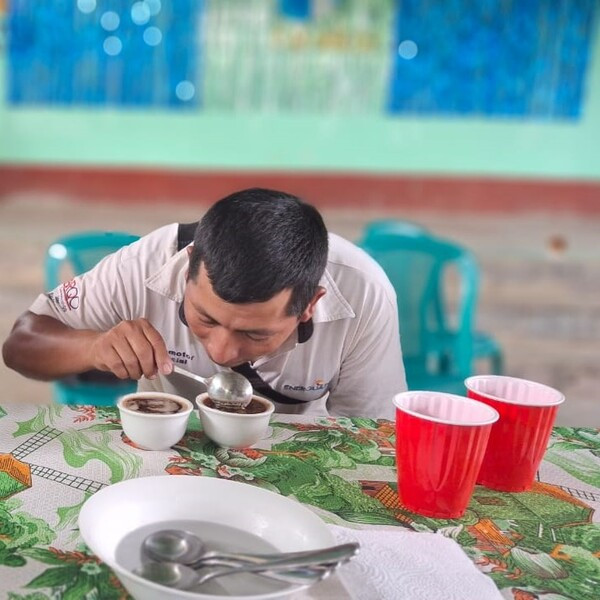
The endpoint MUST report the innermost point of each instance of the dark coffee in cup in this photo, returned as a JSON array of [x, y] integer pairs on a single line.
[[154, 406], [255, 407]]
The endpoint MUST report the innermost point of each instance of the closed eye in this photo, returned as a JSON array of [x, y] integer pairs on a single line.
[[208, 322], [256, 337]]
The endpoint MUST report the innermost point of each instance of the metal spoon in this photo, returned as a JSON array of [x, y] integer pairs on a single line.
[[183, 577], [177, 545], [226, 389], [185, 548]]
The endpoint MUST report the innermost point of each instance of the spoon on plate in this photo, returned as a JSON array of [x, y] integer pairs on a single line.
[[176, 575], [227, 389], [183, 547]]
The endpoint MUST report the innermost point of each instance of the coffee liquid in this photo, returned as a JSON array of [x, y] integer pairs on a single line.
[[255, 407], [154, 406]]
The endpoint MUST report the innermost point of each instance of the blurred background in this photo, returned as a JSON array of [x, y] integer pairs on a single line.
[[478, 120]]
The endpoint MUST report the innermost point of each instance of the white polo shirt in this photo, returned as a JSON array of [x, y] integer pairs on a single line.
[[351, 365]]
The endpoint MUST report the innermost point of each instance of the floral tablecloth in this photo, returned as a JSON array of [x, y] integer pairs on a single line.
[[544, 543]]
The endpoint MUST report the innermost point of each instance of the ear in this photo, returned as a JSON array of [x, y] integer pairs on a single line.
[[309, 311]]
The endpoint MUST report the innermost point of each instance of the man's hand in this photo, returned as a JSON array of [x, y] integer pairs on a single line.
[[131, 349], [44, 348]]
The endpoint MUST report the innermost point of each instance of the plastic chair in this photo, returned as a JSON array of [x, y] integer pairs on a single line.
[[438, 351], [485, 347], [73, 255]]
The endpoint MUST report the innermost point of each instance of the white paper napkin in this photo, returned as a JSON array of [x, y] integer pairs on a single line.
[[403, 565]]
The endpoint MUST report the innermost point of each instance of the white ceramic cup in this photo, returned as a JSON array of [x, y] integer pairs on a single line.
[[153, 431], [234, 430]]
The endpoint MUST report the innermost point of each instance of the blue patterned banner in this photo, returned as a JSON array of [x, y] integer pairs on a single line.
[[499, 58], [491, 57], [116, 52]]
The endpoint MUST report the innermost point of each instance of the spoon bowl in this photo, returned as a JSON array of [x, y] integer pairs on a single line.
[[174, 545], [227, 389]]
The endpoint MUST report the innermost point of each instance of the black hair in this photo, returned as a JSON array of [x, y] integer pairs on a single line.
[[256, 243]]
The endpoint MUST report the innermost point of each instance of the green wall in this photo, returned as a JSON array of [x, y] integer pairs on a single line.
[[456, 146]]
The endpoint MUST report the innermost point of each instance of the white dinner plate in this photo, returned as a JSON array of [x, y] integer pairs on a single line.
[[228, 516]]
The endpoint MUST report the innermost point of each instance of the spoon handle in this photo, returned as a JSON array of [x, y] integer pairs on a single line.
[[315, 558], [180, 371], [304, 576], [324, 555], [299, 577]]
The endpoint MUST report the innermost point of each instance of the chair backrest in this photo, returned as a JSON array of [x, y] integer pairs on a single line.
[[79, 252], [398, 226], [417, 264], [73, 255]]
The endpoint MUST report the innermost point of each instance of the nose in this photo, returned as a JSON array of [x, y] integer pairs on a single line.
[[222, 347]]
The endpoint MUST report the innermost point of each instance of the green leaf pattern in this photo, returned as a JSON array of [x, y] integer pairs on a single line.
[[95, 443]]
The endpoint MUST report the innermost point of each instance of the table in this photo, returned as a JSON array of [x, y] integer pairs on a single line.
[[52, 458]]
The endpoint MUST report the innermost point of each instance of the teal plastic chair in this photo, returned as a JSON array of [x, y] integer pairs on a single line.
[[439, 351], [485, 346], [66, 257]]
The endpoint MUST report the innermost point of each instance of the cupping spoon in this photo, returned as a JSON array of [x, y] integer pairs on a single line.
[[227, 389], [177, 545], [180, 576]]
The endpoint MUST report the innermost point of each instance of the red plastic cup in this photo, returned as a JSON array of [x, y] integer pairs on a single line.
[[440, 443], [520, 437]]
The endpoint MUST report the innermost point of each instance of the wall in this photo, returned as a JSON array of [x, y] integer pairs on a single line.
[[400, 148]]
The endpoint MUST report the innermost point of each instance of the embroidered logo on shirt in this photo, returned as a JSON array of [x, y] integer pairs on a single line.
[[319, 384], [180, 357], [66, 297]]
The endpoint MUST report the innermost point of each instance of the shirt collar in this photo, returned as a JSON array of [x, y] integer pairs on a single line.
[[169, 280]]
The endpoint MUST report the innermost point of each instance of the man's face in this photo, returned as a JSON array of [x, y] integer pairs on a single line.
[[233, 334]]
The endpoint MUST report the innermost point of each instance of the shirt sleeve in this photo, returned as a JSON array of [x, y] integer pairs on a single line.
[[372, 370], [100, 298]]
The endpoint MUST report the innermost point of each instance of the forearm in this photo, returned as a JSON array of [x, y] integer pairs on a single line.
[[43, 348]]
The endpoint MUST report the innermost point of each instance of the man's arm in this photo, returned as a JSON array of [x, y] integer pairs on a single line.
[[42, 347], [94, 321]]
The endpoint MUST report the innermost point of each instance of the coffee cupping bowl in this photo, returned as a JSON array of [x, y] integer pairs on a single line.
[[152, 431], [234, 430]]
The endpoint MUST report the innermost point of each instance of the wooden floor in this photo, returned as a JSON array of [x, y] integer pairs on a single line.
[[539, 295]]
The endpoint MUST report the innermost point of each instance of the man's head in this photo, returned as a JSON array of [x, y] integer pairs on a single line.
[[254, 272]]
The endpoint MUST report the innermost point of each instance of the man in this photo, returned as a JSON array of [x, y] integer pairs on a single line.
[[262, 289]]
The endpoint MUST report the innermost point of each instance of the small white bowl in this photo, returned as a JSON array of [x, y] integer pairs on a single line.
[[234, 430], [153, 431]]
